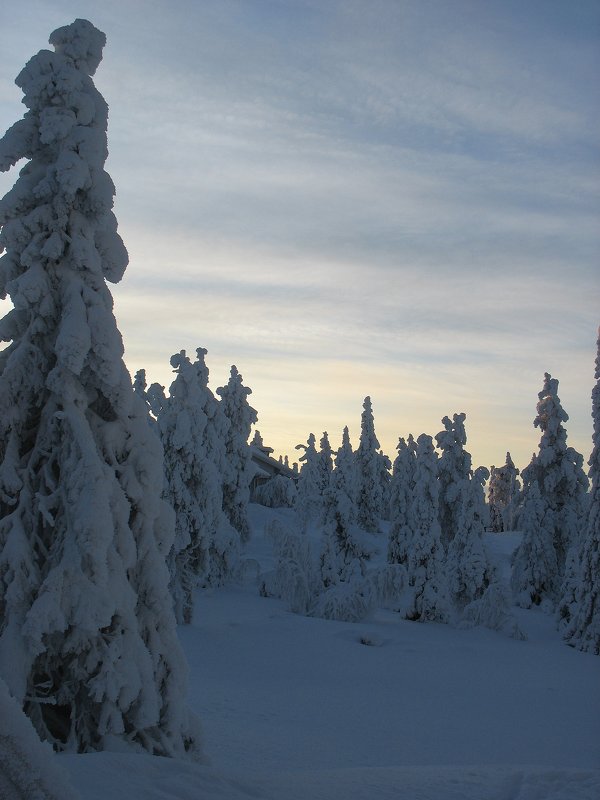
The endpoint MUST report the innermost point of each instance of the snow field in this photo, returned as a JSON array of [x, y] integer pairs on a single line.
[[296, 708]]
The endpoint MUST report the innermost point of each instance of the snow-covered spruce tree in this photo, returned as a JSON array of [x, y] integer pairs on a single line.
[[558, 472], [385, 479], [454, 470], [342, 495], [88, 641], [346, 592], [309, 502], [503, 495], [425, 565], [325, 471], [401, 494], [582, 627], [534, 569], [193, 430], [241, 417], [467, 567], [369, 497], [140, 388]]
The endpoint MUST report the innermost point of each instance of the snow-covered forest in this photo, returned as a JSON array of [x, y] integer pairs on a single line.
[[183, 615]]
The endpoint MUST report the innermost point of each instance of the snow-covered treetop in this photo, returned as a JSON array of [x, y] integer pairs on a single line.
[[550, 413], [454, 432], [61, 204], [309, 448], [346, 439], [81, 42], [368, 440]]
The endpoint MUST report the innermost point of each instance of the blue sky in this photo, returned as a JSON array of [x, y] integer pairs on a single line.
[[398, 199]]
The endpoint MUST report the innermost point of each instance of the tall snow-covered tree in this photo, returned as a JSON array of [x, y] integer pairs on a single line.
[[535, 576], [385, 479], [425, 565], [342, 495], [241, 417], [309, 502], [558, 472], [88, 641], [401, 494], [325, 462], [503, 495], [467, 567], [369, 496], [583, 620], [454, 470], [193, 430]]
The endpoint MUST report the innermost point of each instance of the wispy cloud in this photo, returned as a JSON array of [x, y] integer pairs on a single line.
[[347, 198]]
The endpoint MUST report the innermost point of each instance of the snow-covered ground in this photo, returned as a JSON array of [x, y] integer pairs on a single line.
[[300, 709]]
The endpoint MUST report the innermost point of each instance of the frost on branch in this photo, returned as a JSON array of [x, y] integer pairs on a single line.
[[88, 642]]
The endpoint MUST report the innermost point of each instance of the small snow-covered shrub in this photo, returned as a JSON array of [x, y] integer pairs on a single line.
[[348, 600], [492, 610], [277, 492], [295, 579]]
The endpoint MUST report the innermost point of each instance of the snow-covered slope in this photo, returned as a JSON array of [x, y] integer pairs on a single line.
[[299, 709]]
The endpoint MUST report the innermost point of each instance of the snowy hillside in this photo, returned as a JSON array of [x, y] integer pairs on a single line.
[[295, 708]]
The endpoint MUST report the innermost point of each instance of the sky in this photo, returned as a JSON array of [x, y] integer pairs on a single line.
[[393, 198]]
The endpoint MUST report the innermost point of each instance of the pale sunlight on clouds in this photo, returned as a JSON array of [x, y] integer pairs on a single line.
[[382, 197]]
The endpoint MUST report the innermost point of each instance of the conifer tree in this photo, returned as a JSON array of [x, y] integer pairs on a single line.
[[241, 416], [308, 499], [454, 470], [425, 564], [583, 620], [141, 390], [468, 570], [401, 494], [369, 494], [342, 496], [534, 569], [324, 473], [385, 479], [87, 634], [503, 496], [193, 430], [558, 472]]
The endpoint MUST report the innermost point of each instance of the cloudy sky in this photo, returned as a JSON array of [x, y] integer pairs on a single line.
[[395, 198]]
